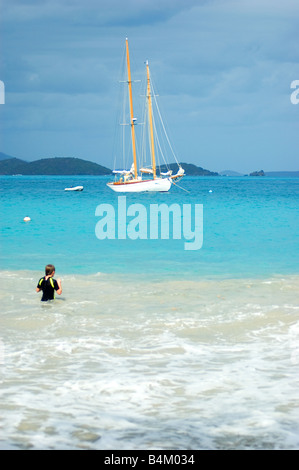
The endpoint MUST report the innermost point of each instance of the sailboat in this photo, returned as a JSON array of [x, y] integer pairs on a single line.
[[141, 179]]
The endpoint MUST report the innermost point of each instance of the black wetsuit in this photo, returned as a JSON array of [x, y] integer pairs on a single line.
[[48, 287]]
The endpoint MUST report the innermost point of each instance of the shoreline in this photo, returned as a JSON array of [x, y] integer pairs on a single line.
[[160, 277]]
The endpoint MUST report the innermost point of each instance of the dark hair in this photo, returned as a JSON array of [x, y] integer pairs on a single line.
[[49, 269]]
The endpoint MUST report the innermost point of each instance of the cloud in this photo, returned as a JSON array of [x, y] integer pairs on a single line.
[[222, 68], [101, 12]]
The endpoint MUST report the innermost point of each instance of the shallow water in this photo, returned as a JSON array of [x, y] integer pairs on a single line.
[[150, 346], [250, 228], [119, 362]]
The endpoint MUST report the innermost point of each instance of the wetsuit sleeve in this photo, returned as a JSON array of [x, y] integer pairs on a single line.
[[40, 283], [56, 286]]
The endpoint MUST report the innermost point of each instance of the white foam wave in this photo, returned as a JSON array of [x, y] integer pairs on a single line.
[[161, 365]]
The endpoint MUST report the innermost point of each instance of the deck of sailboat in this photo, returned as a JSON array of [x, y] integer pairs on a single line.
[[146, 185]]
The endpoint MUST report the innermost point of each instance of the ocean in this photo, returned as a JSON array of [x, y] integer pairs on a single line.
[[151, 345]]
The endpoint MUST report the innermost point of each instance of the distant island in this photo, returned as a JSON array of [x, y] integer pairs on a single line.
[[230, 173], [75, 166], [51, 166], [273, 174], [257, 173], [190, 169], [283, 174]]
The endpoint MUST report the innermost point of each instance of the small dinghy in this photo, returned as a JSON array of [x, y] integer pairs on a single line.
[[74, 188]]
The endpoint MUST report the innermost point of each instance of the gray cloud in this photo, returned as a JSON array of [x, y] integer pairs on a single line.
[[223, 71]]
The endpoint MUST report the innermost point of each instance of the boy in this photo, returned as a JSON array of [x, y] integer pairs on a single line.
[[48, 285]]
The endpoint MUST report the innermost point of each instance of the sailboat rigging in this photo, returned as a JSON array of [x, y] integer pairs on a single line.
[[133, 180]]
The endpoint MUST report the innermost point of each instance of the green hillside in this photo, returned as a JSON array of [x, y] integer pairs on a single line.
[[52, 166], [190, 169], [4, 156]]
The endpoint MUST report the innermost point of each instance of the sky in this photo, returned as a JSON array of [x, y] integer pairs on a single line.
[[223, 70]]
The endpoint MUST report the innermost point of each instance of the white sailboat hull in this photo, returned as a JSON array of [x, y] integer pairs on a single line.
[[155, 185]]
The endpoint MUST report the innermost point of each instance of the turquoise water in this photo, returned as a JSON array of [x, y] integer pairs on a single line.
[[250, 228], [150, 346]]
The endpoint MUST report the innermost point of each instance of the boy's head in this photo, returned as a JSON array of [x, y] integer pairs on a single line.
[[49, 269]]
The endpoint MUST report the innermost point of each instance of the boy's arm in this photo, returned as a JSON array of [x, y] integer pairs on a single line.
[[38, 288], [59, 290]]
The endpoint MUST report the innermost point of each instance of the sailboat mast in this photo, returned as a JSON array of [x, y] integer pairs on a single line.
[[131, 110], [150, 115]]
